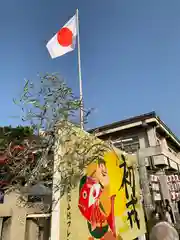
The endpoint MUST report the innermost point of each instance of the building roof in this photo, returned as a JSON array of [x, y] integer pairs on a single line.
[[140, 118], [39, 190]]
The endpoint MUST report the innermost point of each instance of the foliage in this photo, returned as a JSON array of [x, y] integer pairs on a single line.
[[52, 110], [43, 106], [77, 150], [15, 134], [49, 103], [12, 147]]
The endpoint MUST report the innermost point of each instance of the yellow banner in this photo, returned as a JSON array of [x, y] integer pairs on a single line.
[[109, 198]]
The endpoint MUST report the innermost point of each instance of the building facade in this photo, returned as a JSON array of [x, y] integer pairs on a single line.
[[22, 220], [148, 131]]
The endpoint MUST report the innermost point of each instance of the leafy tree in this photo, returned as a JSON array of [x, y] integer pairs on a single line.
[[43, 106], [51, 110], [11, 144], [15, 134]]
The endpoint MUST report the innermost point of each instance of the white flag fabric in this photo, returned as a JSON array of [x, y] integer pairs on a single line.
[[65, 39]]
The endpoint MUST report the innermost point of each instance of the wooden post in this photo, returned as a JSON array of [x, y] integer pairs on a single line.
[[144, 183]]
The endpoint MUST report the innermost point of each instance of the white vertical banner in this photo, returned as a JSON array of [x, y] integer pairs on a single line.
[[55, 214]]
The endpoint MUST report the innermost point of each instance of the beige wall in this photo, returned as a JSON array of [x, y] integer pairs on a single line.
[[17, 226]]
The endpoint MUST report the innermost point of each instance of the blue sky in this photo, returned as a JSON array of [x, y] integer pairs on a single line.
[[130, 54]]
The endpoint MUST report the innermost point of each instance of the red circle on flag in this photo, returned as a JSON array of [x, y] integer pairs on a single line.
[[65, 37]]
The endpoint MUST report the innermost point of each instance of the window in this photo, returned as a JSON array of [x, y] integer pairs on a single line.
[[127, 144], [1, 196], [6, 228], [172, 149], [35, 199], [158, 142], [158, 138]]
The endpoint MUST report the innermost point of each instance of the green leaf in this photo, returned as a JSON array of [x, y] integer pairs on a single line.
[[26, 86]]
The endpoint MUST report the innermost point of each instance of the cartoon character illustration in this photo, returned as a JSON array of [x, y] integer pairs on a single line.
[[96, 204], [109, 198]]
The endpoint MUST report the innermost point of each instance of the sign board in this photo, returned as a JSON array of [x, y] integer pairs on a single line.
[[106, 205], [109, 198]]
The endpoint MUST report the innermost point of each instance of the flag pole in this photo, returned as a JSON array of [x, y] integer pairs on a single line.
[[79, 71]]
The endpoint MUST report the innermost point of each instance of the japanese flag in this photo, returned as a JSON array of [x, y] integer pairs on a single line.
[[64, 40]]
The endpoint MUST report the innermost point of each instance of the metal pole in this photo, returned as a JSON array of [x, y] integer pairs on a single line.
[[80, 77]]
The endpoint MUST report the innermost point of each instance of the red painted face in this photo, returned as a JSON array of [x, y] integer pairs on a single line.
[[88, 198]]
